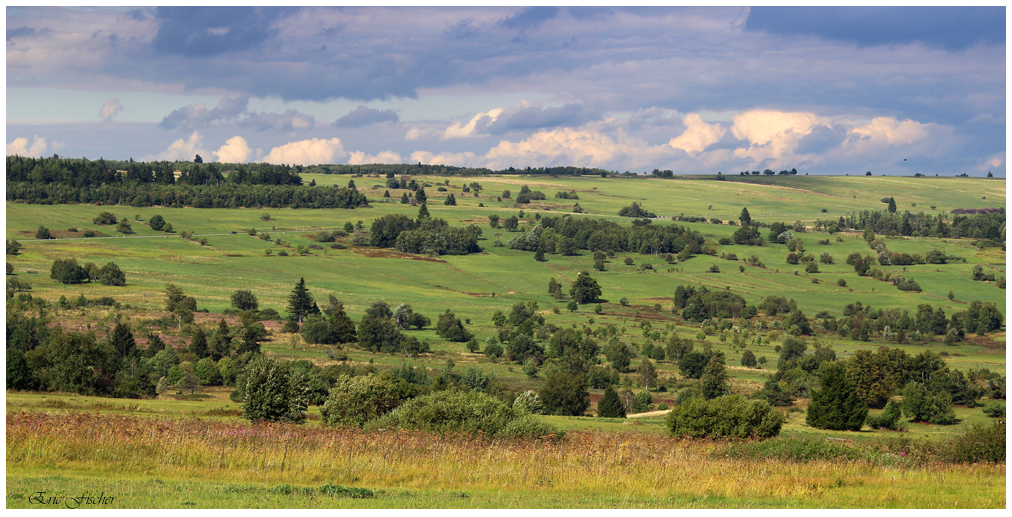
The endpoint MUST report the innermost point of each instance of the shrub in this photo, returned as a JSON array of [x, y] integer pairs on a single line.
[[888, 419], [994, 409], [841, 282], [111, 274], [565, 394], [610, 406], [104, 218], [925, 406], [465, 412], [528, 402], [980, 443], [731, 416], [794, 448], [274, 391], [42, 233], [353, 401]]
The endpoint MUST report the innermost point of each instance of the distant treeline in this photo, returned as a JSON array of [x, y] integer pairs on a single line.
[[64, 181], [407, 169], [983, 225]]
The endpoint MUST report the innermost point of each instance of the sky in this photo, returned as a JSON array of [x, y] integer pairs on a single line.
[[893, 90]]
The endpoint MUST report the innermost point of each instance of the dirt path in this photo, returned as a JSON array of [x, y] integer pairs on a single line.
[[649, 414]]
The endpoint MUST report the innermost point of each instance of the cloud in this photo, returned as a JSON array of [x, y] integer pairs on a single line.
[[235, 150], [698, 135], [525, 116], [820, 140], [39, 147], [532, 116], [290, 120], [110, 109], [772, 134], [361, 158], [207, 31], [181, 150], [530, 18], [465, 159], [307, 152], [475, 127], [887, 130], [197, 115], [363, 116], [951, 28]]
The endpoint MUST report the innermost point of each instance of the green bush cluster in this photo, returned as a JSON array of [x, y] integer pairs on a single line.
[[465, 412], [730, 416]]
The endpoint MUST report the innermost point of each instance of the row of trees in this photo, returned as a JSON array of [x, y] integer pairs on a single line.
[[68, 271]]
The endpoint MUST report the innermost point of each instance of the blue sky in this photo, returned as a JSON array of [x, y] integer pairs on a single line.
[[893, 90]]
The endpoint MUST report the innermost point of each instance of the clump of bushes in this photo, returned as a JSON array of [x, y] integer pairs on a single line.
[[354, 401], [888, 419], [470, 413], [730, 416]]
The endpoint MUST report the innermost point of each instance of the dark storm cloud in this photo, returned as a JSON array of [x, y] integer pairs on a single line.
[[364, 116], [951, 28], [206, 31]]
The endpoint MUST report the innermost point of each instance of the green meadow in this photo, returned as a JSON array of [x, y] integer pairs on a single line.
[[473, 287]]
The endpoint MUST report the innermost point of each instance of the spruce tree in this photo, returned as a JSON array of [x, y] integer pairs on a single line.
[[714, 381], [198, 345], [404, 198], [300, 303], [892, 206], [423, 212], [836, 406], [610, 406], [123, 340]]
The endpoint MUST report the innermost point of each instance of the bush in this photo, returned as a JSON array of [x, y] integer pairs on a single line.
[[610, 406], [105, 218], [994, 409], [980, 443], [888, 419], [794, 448], [466, 412], [565, 394], [731, 416], [42, 233], [353, 401], [841, 282], [925, 406], [528, 402], [273, 391]]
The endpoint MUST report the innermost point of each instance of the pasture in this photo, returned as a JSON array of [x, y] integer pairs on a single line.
[[648, 469]]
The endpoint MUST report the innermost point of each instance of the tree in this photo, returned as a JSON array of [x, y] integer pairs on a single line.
[[836, 406], [451, 328], [404, 198], [610, 406], [423, 212], [42, 233], [745, 217], [565, 394], [198, 159], [693, 364], [124, 227], [450, 200], [353, 401], [156, 222], [585, 289], [104, 218], [300, 302], [924, 405], [274, 391], [748, 359], [892, 206], [714, 382], [245, 300], [122, 340], [792, 348], [420, 195], [572, 306], [648, 374], [68, 271], [198, 344], [111, 274]]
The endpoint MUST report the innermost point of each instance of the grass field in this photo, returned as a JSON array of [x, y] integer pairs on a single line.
[[654, 473]]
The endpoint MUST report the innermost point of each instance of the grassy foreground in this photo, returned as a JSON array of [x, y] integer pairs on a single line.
[[153, 463]]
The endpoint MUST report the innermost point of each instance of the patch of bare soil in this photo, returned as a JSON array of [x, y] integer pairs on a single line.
[[385, 253]]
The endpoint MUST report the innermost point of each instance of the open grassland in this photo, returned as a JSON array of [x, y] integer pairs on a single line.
[[149, 452], [152, 463]]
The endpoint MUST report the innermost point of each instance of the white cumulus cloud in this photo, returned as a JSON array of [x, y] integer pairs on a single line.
[[235, 150], [887, 130], [360, 158], [475, 127], [698, 135], [772, 134], [37, 148], [182, 150], [110, 109], [307, 152]]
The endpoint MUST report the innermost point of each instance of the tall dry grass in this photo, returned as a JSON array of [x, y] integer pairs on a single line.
[[628, 465]]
